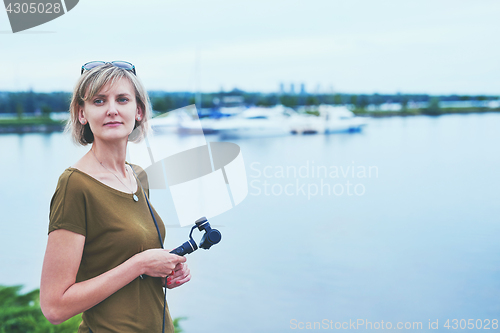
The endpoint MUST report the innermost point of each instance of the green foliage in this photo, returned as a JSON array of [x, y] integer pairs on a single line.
[[30, 101], [19, 111], [377, 99], [325, 99], [354, 100], [314, 113], [362, 102], [404, 104], [289, 100], [159, 104], [312, 100], [177, 327], [29, 121], [163, 104], [21, 313], [46, 110], [433, 109], [337, 99], [265, 100]]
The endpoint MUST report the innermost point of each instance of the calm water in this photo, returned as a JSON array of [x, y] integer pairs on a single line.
[[410, 236]]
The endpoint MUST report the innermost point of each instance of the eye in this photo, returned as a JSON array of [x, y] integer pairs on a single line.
[[122, 100], [98, 101]]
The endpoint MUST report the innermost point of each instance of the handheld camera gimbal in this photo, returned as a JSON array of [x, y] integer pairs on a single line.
[[211, 237]]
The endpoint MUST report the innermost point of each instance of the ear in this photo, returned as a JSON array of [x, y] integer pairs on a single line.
[[81, 116], [139, 114]]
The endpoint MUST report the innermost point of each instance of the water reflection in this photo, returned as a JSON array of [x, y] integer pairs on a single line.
[[419, 244]]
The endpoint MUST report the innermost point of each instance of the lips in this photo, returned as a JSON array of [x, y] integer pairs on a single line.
[[113, 123]]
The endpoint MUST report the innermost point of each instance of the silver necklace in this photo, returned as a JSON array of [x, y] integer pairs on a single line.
[[128, 172]]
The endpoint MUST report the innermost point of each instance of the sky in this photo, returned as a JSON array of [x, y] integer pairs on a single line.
[[348, 46]]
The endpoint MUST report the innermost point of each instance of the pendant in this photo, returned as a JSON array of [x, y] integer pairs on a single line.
[[135, 198]]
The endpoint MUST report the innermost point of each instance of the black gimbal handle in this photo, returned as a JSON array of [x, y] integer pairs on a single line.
[[185, 248], [211, 237]]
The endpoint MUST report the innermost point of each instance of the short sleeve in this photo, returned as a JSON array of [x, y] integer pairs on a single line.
[[67, 207]]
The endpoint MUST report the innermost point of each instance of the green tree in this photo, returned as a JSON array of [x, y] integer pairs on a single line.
[[337, 99], [377, 99], [177, 326], [362, 102], [326, 99], [354, 100], [46, 111], [159, 104], [19, 111], [433, 109], [21, 313], [312, 100], [289, 100], [264, 101], [404, 104], [163, 104]]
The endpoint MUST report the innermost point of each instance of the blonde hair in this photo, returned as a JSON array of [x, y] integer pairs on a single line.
[[89, 84]]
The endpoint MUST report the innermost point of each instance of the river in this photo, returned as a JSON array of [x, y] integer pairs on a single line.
[[398, 223]]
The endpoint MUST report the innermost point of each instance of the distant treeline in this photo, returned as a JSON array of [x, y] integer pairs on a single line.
[[44, 103], [31, 102]]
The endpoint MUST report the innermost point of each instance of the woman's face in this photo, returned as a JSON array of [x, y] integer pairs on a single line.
[[112, 112]]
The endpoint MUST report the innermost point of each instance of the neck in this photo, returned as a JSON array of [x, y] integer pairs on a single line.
[[111, 155]]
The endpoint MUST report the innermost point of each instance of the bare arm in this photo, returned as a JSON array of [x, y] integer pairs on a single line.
[[62, 298]]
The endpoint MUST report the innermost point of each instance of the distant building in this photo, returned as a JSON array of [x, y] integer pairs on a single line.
[[302, 88], [292, 88], [282, 88]]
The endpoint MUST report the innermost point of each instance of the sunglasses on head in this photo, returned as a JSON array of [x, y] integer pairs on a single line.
[[120, 64]]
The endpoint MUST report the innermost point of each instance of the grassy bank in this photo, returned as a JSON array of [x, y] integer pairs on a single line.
[[28, 125], [29, 121]]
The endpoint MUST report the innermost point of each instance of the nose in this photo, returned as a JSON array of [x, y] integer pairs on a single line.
[[112, 111]]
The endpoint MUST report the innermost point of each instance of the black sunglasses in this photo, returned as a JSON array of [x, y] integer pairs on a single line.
[[120, 64]]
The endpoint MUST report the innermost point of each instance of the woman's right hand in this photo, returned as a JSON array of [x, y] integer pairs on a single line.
[[159, 262]]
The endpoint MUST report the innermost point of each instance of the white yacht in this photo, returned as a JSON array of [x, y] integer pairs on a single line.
[[274, 121], [331, 119]]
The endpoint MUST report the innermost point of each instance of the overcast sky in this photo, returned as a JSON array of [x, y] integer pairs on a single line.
[[353, 46]]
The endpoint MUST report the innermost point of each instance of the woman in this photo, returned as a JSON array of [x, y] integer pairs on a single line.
[[103, 255]]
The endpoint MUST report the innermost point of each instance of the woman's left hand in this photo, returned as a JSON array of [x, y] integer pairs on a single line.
[[180, 276]]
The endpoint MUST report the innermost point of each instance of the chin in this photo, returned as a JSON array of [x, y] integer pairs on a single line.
[[114, 136]]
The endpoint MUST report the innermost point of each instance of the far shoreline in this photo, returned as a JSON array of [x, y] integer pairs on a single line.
[[47, 125]]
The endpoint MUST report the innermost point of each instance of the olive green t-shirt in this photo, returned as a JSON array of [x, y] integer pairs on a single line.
[[115, 228]]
